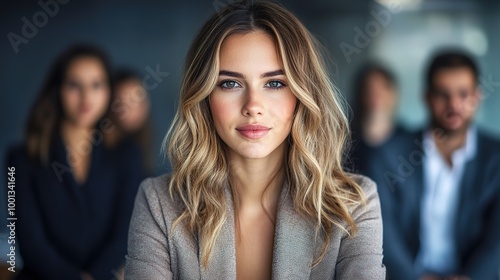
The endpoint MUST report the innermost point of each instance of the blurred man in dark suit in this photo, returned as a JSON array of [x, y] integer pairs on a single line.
[[440, 187]]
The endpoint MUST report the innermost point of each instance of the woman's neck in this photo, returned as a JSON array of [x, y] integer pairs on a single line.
[[76, 137], [112, 138], [257, 183], [79, 144]]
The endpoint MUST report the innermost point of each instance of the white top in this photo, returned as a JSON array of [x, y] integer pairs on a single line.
[[439, 203]]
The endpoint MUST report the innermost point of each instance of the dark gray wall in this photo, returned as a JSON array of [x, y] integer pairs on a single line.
[[138, 34]]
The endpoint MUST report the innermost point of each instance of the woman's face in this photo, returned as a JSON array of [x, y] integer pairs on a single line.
[[252, 105], [133, 110], [380, 95], [85, 92]]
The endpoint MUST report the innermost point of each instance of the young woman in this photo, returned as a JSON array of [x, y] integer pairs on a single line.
[[74, 197], [257, 189], [130, 112]]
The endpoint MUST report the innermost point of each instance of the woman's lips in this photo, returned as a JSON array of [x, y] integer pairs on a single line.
[[84, 109], [253, 131]]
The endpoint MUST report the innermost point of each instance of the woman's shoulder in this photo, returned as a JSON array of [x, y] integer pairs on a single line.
[[17, 155], [368, 186], [158, 184], [154, 191], [370, 193]]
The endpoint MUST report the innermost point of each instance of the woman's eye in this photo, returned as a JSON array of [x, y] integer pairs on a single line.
[[72, 85], [275, 85], [229, 84], [98, 85]]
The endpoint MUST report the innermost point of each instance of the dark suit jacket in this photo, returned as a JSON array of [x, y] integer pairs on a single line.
[[398, 171], [360, 153], [64, 228]]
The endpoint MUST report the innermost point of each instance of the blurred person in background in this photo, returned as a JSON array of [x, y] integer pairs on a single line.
[[440, 189], [130, 112], [74, 196], [373, 127]]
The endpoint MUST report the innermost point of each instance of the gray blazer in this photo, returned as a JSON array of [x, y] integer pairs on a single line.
[[155, 253]]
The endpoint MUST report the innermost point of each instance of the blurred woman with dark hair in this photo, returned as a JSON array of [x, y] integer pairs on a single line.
[[130, 112], [74, 196]]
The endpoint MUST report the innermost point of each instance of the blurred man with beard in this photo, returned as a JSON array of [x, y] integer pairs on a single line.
[[440, 187]]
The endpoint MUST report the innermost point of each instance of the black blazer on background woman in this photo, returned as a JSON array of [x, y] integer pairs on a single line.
[[64, 228]]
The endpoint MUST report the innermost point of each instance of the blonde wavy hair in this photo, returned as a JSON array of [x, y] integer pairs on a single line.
[[319, 187]]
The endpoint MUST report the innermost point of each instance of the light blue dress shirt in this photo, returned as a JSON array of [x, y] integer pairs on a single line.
[[439, 204]]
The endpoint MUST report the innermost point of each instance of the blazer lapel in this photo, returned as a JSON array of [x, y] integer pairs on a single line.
[[294, 241], [468, 195], [222, 263], [294, 244]]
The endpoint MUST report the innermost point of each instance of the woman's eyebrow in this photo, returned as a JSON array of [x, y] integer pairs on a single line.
[[239, 75], [273, 73], [230, 74]]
